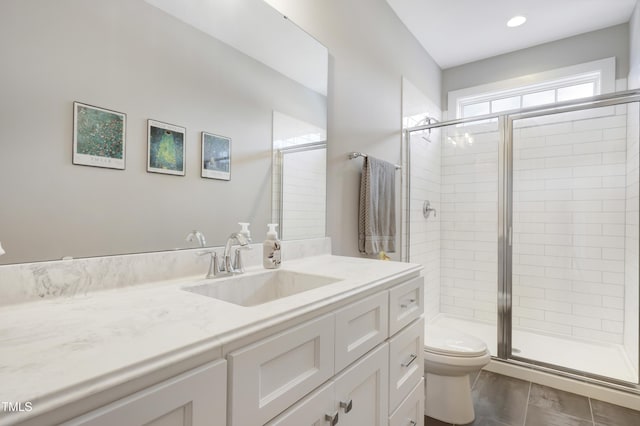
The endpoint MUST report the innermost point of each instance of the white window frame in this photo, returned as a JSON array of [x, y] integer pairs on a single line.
[[601, 72]]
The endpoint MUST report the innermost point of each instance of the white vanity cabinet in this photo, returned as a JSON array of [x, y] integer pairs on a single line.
[[358, 365], [194, 398], [268, 376], [356, 397]]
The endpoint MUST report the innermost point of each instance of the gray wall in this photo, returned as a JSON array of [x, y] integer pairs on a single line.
[[370, 50], [130, 57], [605, 43]]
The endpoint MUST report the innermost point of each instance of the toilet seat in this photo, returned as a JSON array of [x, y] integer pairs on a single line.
[[452, 343]]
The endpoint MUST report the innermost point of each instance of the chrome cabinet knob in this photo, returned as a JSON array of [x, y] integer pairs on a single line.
[[332, 418], [347, 406]]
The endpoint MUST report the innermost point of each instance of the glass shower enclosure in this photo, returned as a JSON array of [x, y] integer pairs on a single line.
[[534, 247]]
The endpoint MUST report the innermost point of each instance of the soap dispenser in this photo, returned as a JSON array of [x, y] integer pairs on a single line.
[[245, 230], [271, 248]]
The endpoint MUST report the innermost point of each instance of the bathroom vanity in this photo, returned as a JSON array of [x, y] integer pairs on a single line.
[[330, 340]]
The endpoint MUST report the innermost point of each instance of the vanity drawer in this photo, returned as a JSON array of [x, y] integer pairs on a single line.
[[406, 303], [270, 375], [411, 410], [406, 363], [360, 327]]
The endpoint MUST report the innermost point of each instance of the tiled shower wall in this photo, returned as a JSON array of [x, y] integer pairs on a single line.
[[425, 233], [469, 221], [569, 194], [631, 297], [304, 194], [575, 188]]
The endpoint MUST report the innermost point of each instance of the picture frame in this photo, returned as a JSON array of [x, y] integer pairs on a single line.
[[99, 137], [166, 148], [216, 157]]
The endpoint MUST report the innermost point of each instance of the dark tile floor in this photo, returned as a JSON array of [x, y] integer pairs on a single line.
[[505, 401]]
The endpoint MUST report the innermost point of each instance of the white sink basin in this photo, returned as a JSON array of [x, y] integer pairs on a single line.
[[256, 289]]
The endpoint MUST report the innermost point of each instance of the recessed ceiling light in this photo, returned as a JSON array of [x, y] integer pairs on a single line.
[[516, 21]]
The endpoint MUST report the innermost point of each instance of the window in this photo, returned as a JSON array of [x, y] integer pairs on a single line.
[[565, 84]]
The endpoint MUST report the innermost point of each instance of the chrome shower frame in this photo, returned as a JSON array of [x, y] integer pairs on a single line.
[[505, 225]]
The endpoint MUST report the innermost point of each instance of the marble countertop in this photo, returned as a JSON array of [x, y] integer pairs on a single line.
[[69, 347]]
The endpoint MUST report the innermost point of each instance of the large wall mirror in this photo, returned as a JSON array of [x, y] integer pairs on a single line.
[[217, 66]]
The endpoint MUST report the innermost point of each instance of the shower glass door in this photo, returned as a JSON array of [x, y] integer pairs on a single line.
[[456, 169], [572, 226]]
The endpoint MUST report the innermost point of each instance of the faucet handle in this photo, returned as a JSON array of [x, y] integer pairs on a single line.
[[237, 260]]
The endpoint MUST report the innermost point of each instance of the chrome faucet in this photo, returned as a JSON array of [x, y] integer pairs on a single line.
[[234, 266], [213, 266], [197, 235]]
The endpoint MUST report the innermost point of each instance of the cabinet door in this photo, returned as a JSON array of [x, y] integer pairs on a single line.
[[360, 327], [272, 374], [406, 362], [311, 411], [195, 398], [362, 390], [406, 304], [411, 410]]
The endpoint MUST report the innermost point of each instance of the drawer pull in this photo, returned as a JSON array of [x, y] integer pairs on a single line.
[[406, 305], [412, 423], [413, 358], [332, 418], [347, 406]]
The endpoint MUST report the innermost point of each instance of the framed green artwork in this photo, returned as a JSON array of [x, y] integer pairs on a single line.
[[166, 148], [98, 137]]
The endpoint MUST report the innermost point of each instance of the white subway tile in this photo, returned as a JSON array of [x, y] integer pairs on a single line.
[[613, 326], [603, 241], [613, 302], [600, 312], [545, 326], [596, 336], [574, 161], [574, 320], [574, 183], [614, 158], [600, 123], [547, 305], [545, 282], [573, 206], [599, 194], [604, 170], [521, 311], [616, 230], [575, 137], [598, 288]]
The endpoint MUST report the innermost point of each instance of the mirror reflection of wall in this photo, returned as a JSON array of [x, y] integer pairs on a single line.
[[299, 177], [134, 58]]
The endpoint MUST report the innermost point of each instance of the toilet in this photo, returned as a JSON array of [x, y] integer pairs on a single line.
[[449, 357]]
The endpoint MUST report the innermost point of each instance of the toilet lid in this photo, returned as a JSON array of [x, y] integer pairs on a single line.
[[452, 342]]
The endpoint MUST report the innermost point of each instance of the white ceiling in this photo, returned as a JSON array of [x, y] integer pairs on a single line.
[[456, 32]]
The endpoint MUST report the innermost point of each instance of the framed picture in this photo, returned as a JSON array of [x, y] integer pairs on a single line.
[[165, 148], [98, 137], [216, 156]]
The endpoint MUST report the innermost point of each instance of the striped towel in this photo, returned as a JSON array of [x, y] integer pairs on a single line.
[[376, 215]]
